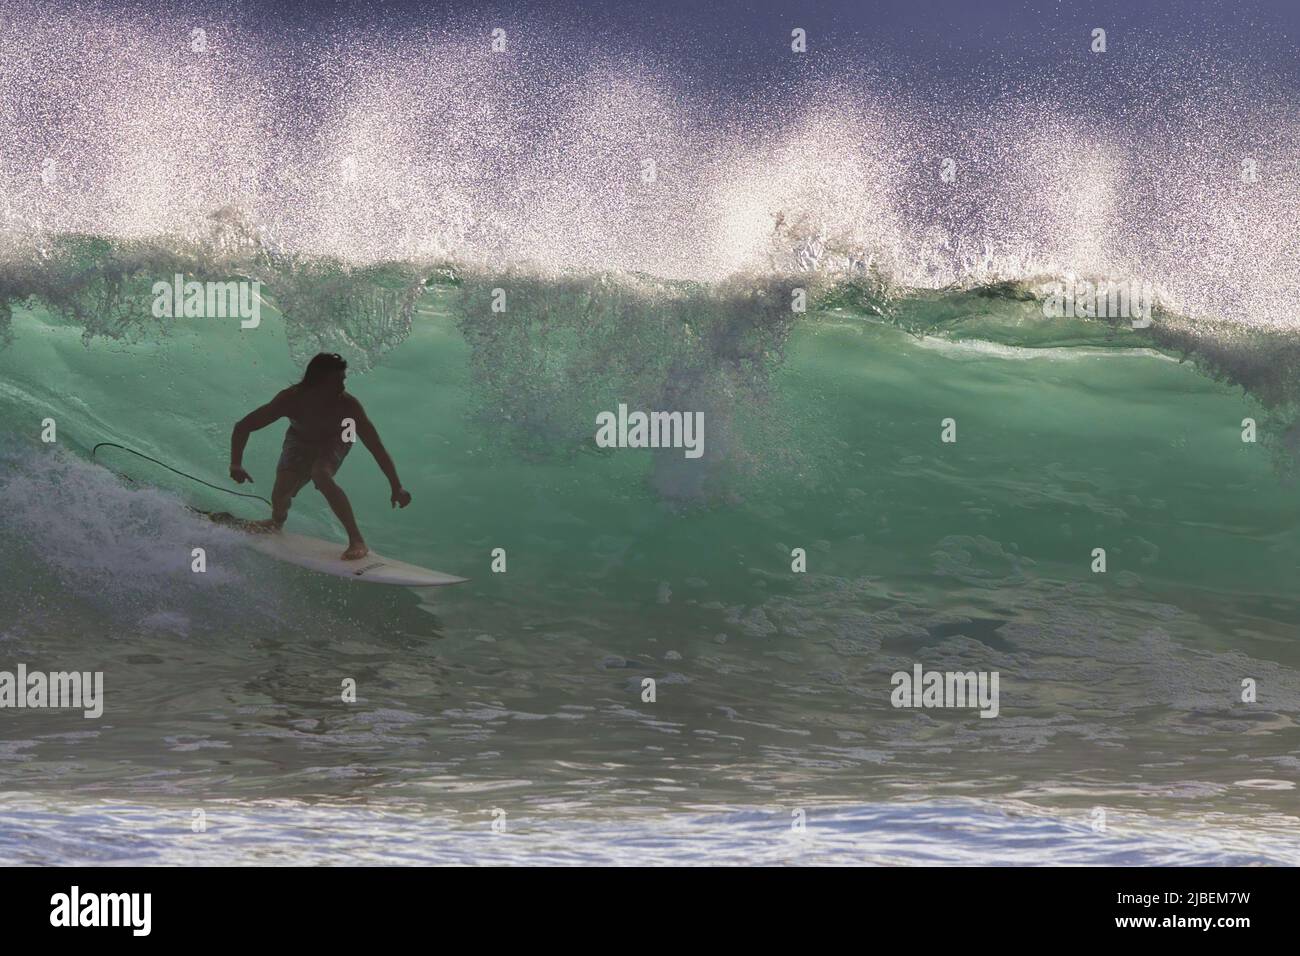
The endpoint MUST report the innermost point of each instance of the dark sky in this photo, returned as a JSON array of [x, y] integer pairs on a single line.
[[730, 29], [741, 45]]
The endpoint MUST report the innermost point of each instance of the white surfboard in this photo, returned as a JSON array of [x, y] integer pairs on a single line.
[[317, 555]]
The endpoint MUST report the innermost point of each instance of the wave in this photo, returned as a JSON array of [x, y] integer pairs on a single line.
[[504, 246], [351, 146], [565, 343]]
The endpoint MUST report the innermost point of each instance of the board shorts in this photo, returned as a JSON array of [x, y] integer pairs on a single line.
[[299, 456]]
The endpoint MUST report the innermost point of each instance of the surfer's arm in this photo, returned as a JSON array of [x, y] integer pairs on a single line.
[[272, 411], [369, 436]]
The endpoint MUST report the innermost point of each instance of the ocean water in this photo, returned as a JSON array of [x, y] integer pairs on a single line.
[[521, 692], [503, 721]]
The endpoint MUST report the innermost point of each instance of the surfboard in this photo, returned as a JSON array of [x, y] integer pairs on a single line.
[[316, 554]]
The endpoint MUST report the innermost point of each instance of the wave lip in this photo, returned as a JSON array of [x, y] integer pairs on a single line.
[[354, 148]]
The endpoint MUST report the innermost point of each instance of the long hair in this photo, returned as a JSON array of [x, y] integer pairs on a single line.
[[322, 365]]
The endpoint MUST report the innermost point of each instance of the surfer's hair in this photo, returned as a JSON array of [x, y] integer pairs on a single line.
[[321, 366]]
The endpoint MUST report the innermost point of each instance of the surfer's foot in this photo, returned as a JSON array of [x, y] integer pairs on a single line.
[[265, 526], [356, 551]]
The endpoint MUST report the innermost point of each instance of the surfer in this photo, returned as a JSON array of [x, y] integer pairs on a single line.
[[314, 446]]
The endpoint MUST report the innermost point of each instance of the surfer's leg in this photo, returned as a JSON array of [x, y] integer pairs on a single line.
[[323, 477], [287, 484], [291, 474]]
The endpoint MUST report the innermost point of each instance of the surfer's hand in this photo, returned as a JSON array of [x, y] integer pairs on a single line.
[[401, 498], [238, 475]]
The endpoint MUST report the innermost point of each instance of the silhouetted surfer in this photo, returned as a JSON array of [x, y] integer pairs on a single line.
[[315, 445]]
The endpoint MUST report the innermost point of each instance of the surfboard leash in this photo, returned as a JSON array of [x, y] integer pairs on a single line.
[[109, 444]]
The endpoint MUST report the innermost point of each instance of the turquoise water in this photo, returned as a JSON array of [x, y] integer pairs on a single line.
[[521, 691]]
